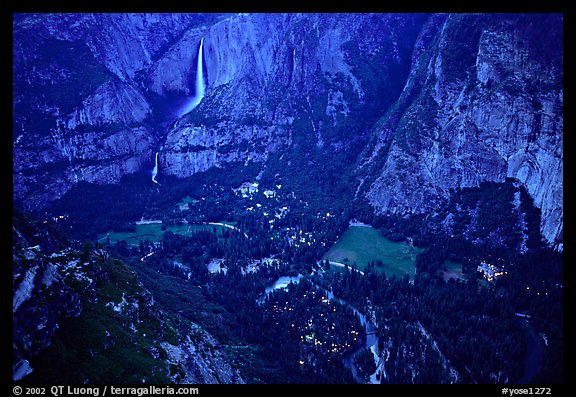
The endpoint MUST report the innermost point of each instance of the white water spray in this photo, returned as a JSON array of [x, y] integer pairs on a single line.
[[192, 102], [155, 170]]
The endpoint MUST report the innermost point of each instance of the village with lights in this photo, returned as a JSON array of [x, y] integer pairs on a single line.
[[490, 272], [321, 324], [271, 205]]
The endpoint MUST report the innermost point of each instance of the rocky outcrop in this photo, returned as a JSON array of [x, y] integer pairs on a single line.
[[35, 321], [482, 103], [41, 299], [112, 102], [201, 360], [189, 150], [100, 141], [175, 71], [99, 154], [116, 317], [124, 43]]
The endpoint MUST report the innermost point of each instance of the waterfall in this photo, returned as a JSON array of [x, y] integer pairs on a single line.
[[193, 101], [155, 170], [200, 74]]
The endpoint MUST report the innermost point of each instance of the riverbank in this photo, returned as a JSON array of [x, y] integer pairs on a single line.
[[338, 264], [226, 225]]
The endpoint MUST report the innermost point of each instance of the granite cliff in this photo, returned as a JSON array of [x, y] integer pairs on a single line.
[[483, 102], [79, 111], [416, 104]]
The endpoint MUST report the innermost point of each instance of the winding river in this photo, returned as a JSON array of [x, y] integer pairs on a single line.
[[371, 338], [534, 351], [282, 282]]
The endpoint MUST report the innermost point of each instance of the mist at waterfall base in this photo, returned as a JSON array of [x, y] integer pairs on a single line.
[[194, 100]]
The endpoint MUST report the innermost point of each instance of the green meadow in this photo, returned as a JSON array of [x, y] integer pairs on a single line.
[[153, 232], [360, 245]]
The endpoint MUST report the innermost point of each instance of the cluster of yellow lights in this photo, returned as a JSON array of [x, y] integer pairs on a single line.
[[490, 271]]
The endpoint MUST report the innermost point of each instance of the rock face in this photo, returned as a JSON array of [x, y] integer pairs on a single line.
[[273, 76], [41, 299], [35, 321], [483, 102], [46, 169], [190, 149], [79, 111], [433, 102], [115, 317], [204, 363]]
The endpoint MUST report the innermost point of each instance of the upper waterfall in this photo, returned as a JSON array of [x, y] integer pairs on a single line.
[[193, 101]]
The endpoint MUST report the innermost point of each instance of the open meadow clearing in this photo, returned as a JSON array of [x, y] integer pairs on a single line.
[[153, 232], [360, 245]]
